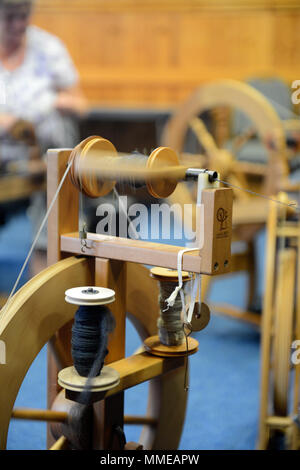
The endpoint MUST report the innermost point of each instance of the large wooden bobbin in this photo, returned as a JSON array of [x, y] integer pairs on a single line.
[[82, 388], [91, 185], [170, 341], [96, 148]]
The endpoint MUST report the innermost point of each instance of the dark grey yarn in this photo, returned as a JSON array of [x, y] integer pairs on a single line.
[[89, 338]]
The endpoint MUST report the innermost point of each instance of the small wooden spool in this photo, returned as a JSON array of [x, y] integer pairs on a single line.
[[154, 344], [91, 185], [155, 347], [73, 383]]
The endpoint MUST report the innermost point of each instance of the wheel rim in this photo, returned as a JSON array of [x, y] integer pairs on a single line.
[[231, 93]]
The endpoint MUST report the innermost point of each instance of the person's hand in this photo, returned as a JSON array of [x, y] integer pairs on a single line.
[[71, 101], [23, 131], [7, 121]]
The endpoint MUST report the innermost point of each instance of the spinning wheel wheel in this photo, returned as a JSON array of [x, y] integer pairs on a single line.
[[265, 122]]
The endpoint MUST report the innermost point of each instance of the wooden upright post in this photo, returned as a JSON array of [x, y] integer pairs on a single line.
[[267, 325], [64, 215], [216, 253], [109, 413], [62, 219]]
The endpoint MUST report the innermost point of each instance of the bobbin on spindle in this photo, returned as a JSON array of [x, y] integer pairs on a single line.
[[170, 341], [81, 383], [91, 185], [94, 186]]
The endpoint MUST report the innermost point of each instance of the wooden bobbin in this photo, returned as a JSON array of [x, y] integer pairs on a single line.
[[153, 344], [68, 378], [94, 186], [168, 275], [162, 157], [91, 185]]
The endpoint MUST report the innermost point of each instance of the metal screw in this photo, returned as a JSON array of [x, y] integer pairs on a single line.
[[90, 291]]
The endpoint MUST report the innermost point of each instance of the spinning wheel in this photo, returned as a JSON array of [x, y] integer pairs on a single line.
[[38, 309], [249, 212], [18, 181], [279, 398], [264, 121]]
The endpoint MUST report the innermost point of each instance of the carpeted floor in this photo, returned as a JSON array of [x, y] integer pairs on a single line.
[[224, 375]]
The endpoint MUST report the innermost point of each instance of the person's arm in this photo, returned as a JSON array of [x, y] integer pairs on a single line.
[[7, 121], [65, 79], [71, 100]]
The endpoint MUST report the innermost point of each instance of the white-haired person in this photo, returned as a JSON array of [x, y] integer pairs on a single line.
[[38, 80]]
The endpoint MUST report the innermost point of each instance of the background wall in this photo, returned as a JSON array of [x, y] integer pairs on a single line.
[[155, 52]]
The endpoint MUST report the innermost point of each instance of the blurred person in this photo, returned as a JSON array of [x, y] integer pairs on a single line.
[[40, 98], [38, 80]]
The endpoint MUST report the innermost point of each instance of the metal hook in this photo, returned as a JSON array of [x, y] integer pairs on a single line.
[[186, 326]]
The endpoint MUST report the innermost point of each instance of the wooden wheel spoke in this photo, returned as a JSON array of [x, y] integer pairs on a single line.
[[240, 140], [60, 444], [39, 415], [255, 169], [234, 312], [140, 420], [193, 160], [203, 136]]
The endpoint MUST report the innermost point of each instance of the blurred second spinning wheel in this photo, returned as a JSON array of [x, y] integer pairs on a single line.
[[219, 150]]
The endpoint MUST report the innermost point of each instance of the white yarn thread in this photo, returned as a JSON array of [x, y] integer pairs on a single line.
[[178, 289], [3, 311]]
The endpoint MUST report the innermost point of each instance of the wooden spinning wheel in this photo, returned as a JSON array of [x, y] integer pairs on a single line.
[[249, 212], [18, 182], [264, 121], [280, 317], [279, 396], [37, 313]]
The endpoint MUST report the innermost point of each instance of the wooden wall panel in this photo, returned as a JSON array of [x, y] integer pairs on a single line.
[[155, 52]]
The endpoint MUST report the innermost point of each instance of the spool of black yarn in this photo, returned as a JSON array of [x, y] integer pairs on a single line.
[[90, 337]]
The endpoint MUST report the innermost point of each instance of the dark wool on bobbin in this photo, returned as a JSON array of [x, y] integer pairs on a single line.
[[89, 338], [169, 323]]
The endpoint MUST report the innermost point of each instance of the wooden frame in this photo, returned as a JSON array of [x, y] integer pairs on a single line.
[[280, 325], [216, 250], [116, 269]]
